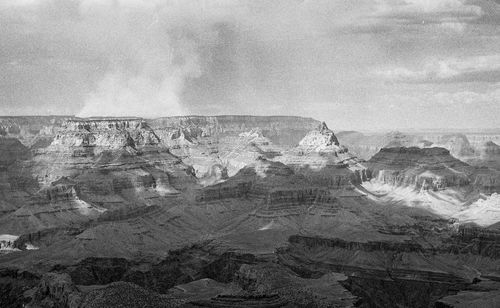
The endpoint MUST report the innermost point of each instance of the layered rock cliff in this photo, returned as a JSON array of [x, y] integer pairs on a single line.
[[429, 168]]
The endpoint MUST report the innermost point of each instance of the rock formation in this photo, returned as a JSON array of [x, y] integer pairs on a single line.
[[428, 168], [239, 211]]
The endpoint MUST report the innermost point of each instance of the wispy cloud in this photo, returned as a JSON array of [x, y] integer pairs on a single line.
[[427, 11], [469, 69]]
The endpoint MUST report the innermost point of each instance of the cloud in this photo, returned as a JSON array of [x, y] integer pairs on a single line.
[[151, 50], [449, 70], [322, 58], [428, 11], [468, 98], [426, 108], [410, 15], [460, 99], [229, 53]]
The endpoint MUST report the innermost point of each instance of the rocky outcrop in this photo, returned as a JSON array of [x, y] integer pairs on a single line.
[[14, 285], [321, 139], [57, 290], [323, 161], [101, 134], [318, 148]]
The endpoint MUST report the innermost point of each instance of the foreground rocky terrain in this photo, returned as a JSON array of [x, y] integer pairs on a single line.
[[241, 211]]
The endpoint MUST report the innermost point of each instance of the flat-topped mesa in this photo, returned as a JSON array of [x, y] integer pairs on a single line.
[[104, 133], [402, 157], [424, 168], [105, 124]]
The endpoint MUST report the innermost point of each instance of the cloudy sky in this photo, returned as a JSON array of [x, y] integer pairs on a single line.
[[379, 64]]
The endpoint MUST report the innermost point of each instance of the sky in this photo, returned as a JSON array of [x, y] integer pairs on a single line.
[[356, 64]]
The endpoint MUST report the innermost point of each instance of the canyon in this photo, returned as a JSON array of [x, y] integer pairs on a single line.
[[244, 211]]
